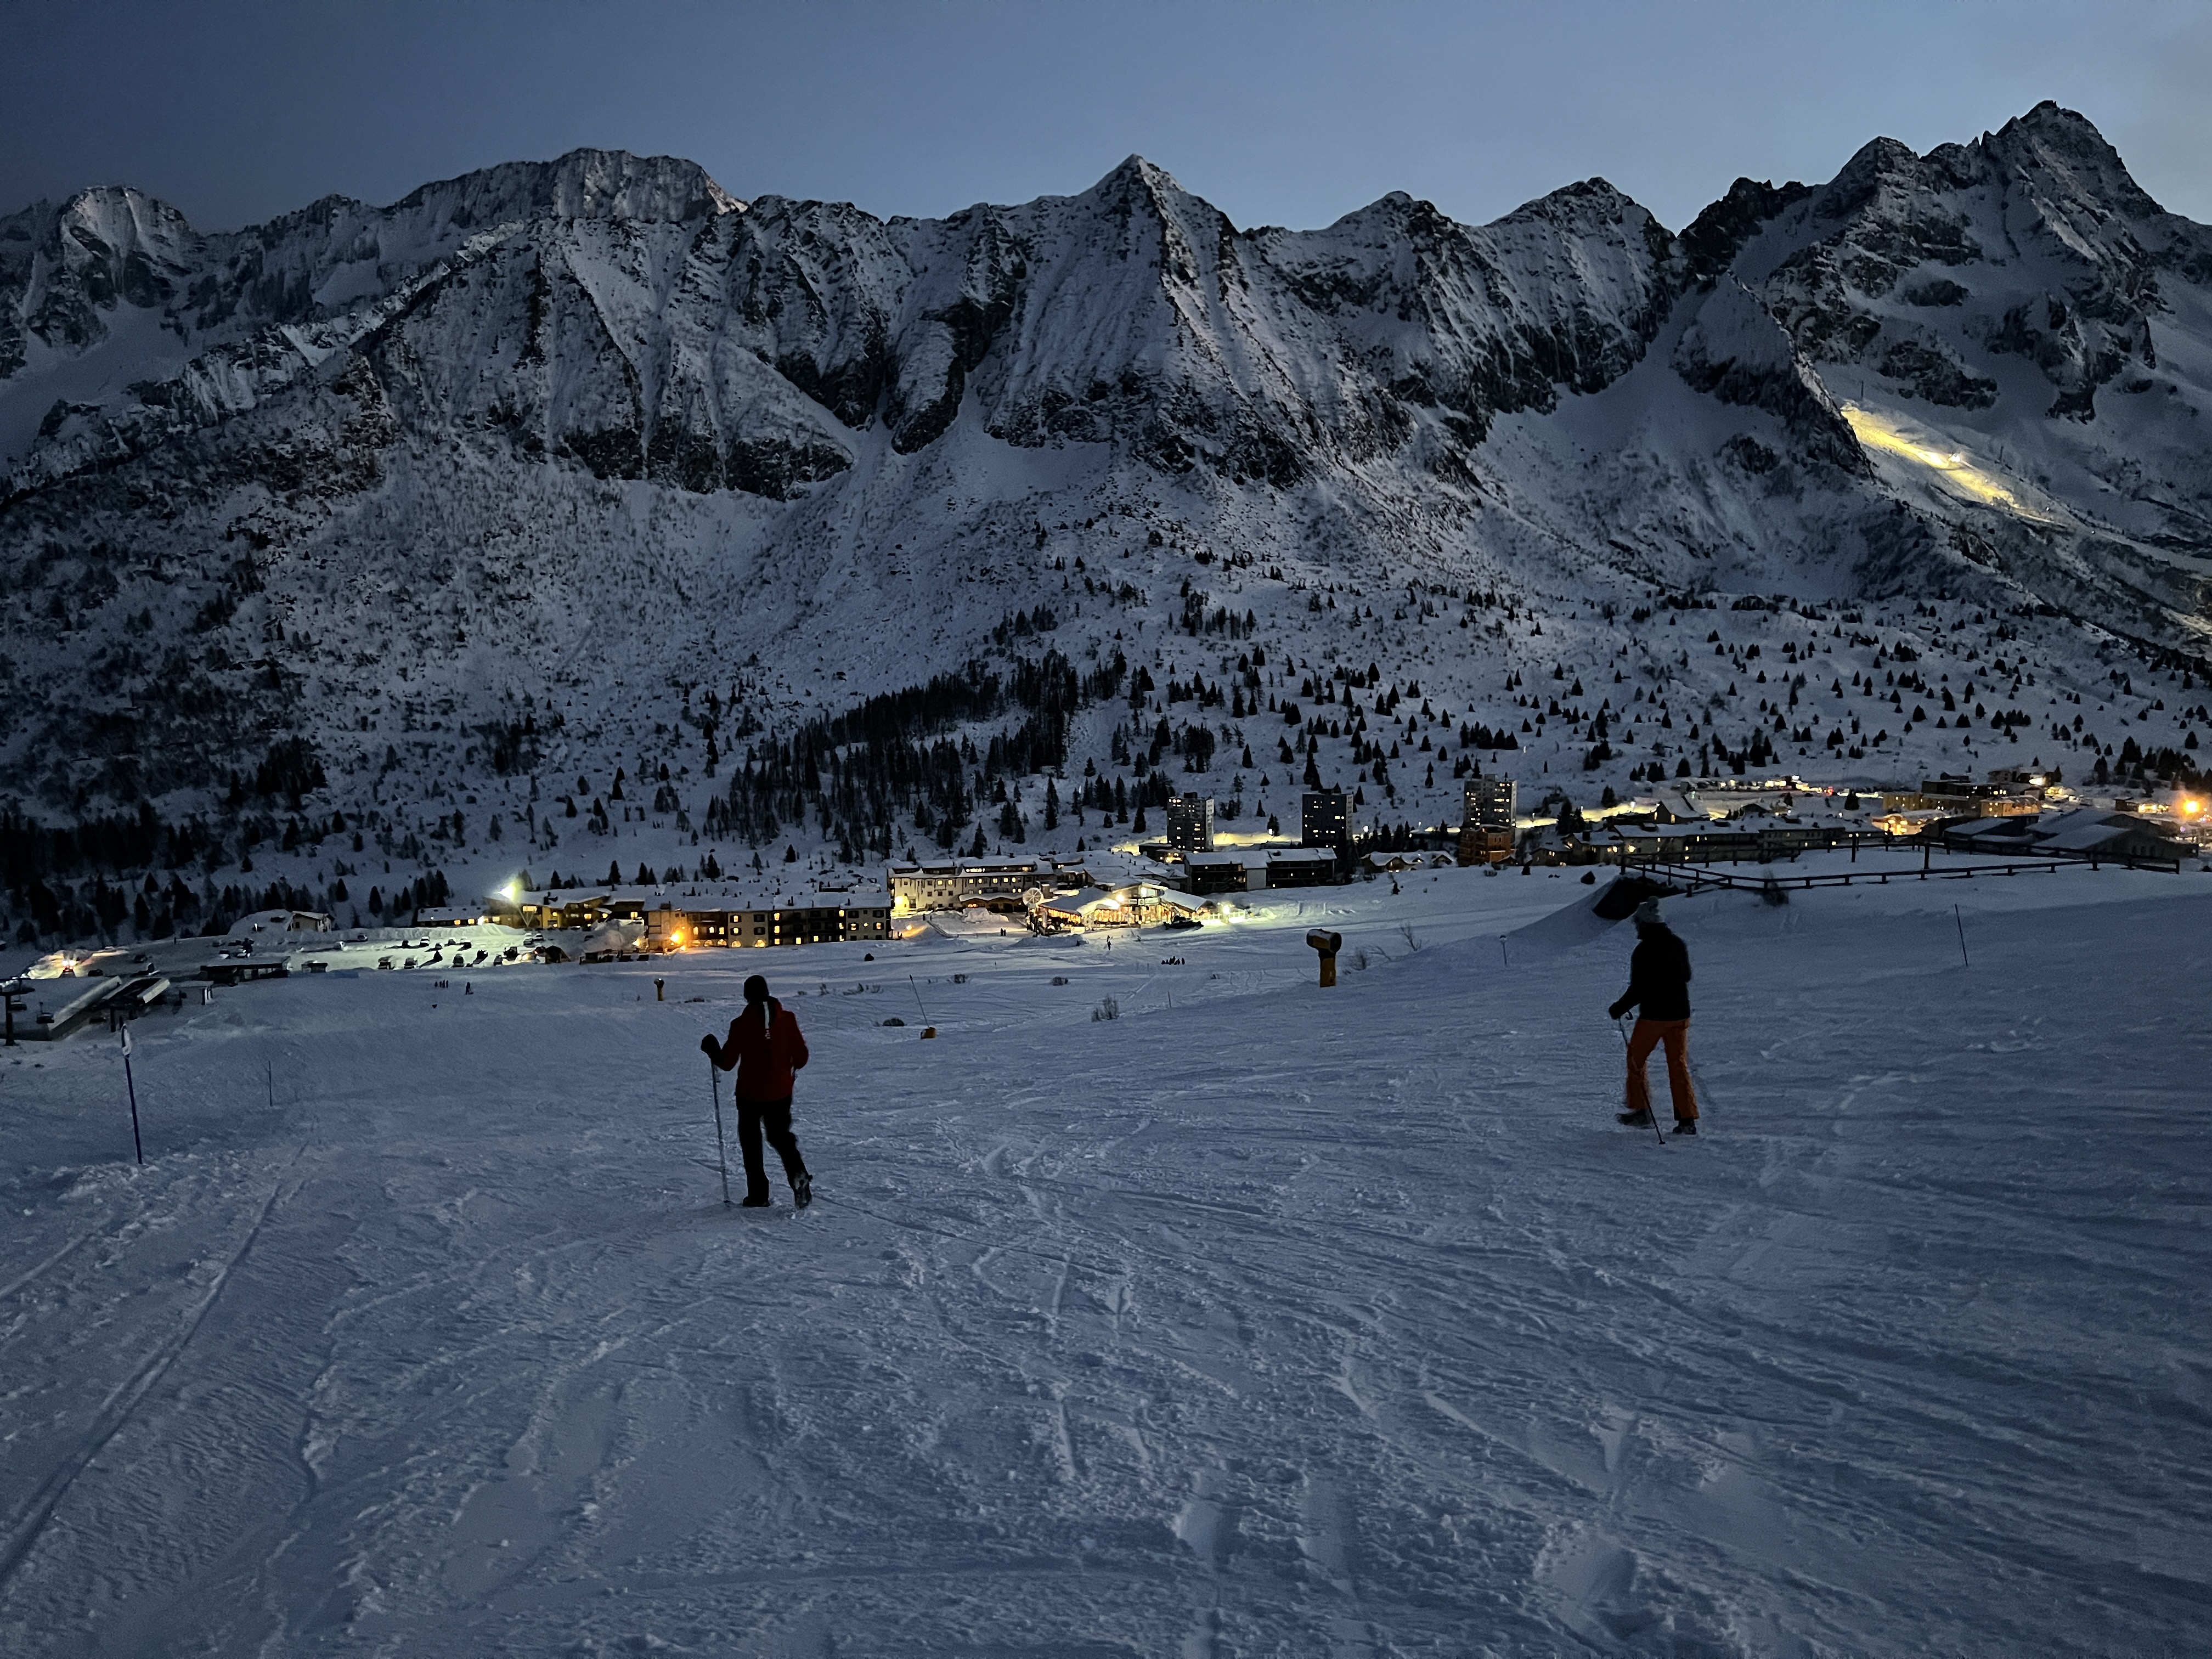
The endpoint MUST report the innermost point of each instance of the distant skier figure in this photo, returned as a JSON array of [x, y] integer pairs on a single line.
[[1659, 987], [765, 1047]]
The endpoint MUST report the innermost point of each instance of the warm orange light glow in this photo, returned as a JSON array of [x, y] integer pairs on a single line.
[[1954, 468]]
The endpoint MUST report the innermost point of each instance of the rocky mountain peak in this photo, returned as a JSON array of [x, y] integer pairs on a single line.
[[2057, 159], [584, 184], [598, 397]]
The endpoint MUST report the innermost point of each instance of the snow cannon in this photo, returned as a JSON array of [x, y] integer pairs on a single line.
[[1329, 945]]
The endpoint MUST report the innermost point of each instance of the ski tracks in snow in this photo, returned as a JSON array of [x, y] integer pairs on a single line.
[[1332, 1323]]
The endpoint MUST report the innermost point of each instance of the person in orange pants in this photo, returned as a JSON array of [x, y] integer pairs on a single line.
[[1659, 988]]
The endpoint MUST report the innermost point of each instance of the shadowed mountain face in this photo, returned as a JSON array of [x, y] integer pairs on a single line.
[[629, 316], [596, 422]]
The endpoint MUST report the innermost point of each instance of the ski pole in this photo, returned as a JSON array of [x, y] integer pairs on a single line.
[[1628, 1048], [917, 999], [721, 1149], [1961, 923], [138, 1144]]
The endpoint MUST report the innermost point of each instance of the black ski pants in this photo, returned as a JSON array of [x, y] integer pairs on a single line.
[[771, 1118]]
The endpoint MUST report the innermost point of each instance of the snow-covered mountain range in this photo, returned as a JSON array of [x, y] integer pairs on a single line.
[[448, 516]]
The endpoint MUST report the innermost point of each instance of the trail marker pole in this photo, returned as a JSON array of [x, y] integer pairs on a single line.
[[1961, 922], [137, 1143], [917, 999], [722, 1148], [1621, 1026]]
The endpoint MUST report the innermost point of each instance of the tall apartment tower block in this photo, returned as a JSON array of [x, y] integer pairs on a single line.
[[1325, 819], [1190, 823], [1485, 832]]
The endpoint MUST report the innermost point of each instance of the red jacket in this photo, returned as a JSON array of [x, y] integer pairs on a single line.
[[764, 1059]]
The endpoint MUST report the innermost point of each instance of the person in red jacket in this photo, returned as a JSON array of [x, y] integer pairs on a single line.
[[765, 1047]]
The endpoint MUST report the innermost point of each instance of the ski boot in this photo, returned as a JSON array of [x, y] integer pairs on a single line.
[[1635, 1119], [802, 1190], [1686, 1126]]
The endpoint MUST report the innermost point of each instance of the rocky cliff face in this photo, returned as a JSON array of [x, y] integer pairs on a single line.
[[595, 429]]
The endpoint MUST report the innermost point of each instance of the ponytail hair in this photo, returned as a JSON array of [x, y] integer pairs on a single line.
[[756, 993]]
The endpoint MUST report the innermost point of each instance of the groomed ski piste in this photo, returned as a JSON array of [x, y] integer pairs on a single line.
[[1259, 1319]]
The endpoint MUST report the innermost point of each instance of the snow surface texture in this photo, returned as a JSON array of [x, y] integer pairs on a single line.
[[1259, 1320], [577, 442]]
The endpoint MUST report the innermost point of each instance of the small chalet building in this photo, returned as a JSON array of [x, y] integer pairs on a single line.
[[1398, 863], [2083, 833], [1303, 866], [1221, 872], [451, 915], [281, 922], [1255, 869]]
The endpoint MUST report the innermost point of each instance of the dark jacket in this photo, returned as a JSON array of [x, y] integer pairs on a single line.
[[1658, 977], [765, 1059]]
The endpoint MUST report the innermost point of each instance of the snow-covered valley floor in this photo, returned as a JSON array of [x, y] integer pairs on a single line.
[[1260, 1320]]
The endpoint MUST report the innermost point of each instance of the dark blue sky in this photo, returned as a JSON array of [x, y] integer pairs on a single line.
[[1288, 113]]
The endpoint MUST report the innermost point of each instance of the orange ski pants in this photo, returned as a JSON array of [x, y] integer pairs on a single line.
[[1649, 1035]]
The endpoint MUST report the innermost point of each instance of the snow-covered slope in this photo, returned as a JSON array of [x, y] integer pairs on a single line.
[[1260, 1320], [562, 471]]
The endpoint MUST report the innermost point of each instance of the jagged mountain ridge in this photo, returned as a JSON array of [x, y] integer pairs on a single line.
[[1214, 352], [595, 429]]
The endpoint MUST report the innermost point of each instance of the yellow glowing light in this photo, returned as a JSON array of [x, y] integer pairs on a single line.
[[1951, 466]]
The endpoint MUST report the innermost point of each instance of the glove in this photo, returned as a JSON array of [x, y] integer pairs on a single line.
[[707, 1046], [1616, 1010]]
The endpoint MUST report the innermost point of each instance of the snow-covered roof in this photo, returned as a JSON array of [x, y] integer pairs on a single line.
[[280, 921], [609, 936], [805, 899], [1086, 900]]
